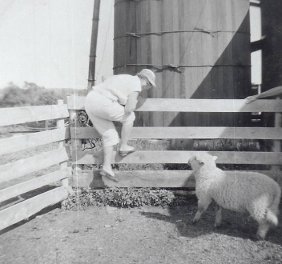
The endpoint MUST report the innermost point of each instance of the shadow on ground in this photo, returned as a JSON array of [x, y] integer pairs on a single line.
[[234, 224]]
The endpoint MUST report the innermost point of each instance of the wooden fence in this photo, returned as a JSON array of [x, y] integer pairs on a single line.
[[14, 176], [181, 178]]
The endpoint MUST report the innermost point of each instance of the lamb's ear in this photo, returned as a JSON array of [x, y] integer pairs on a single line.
[[214, 158]]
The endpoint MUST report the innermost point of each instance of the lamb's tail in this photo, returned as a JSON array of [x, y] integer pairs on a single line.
[[271, 217], [273, 210]]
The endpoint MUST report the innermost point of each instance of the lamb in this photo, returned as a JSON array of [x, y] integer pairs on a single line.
[[255, 193]]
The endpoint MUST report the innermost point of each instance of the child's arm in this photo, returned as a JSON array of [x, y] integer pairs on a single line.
[[272, 92], [131, 103]]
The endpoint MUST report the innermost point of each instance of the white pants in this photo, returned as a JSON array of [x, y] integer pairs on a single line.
[[102, 111]]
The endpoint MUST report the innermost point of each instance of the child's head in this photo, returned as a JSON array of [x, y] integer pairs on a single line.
[[148, 79]]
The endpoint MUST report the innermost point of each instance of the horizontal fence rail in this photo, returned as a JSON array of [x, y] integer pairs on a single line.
[[189, 132], [150, 178], [20, 115], [22, 142], [37, 162], [32, 184], [29, 207], [195, 105], [171, 156]]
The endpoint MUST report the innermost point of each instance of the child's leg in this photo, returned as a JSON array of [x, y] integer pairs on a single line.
[[110, 138], [107, 162], [102, 112], [127, 126], [115, 112]]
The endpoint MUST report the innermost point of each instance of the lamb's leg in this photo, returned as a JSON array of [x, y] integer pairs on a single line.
[[203, 205], [263, 229], [218, 216], [259, 212]]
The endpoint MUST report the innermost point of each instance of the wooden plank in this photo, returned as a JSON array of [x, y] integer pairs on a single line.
[[21, 142], [32, 184], [224, 157], [210, 105], [196, 105], [144, 178], [19, 115], [29, 207], [37, 162], [75, 144], [137, 178], [190, 132]]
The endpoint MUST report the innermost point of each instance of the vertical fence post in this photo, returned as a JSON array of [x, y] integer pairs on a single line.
[[64, 166], [75, 143]]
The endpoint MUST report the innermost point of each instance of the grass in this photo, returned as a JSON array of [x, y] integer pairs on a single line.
[[123, 198]]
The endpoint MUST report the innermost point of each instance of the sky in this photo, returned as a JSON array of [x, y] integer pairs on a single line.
[[48, 42]]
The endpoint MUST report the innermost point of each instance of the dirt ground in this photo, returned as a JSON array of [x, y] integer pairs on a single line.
[[148, 235]]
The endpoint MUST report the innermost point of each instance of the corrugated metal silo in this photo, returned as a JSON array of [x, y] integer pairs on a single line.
[[198, 48]]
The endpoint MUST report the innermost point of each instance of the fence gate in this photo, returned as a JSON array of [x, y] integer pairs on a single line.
[[33, 168]]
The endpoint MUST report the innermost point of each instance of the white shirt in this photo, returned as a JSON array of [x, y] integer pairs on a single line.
[[119, 87]]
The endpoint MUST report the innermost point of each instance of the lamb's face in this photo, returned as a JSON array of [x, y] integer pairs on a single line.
[[195, 163], [198, 161]]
